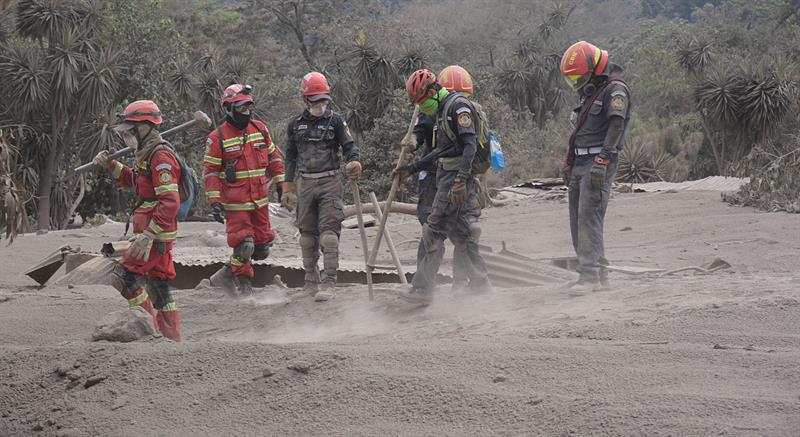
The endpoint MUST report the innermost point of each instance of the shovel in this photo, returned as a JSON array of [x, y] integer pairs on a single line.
[[360, 216]]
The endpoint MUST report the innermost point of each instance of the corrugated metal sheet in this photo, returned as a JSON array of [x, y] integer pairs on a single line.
[[711, 183]]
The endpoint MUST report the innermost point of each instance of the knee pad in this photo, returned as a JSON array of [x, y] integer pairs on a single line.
[[475, 232], [261, 252], [245, 249], [122, 279], [329, 241], [307, 241], [159, 292]]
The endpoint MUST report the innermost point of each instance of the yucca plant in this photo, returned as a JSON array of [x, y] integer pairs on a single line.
[[636, 165]]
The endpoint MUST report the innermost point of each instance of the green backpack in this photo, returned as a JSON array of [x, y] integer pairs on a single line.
[[483, 154]]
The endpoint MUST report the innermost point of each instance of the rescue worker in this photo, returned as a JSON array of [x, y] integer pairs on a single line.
[[456, 79], [312, 162], [455, 209], [599, 127], [146, 267], [239, 162]]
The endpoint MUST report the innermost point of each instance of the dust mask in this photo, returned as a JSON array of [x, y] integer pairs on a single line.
[[317, 109], [130, 139]]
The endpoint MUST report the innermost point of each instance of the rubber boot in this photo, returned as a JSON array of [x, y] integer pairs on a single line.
[[327, 290], [168, 322], [244, 284]]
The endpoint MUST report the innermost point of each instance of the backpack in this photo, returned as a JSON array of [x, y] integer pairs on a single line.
[[483, 154], [188, 185]]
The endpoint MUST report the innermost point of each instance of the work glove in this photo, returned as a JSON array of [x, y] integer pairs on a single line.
[[458, 193], [289, 201], [101, 159], [141, 245], [597, 175], [218, 211], [353, 169]]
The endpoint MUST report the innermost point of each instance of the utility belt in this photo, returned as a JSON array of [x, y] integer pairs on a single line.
[[581, 151], [320, 175]]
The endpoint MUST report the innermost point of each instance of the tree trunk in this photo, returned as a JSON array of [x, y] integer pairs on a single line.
[[47, 178]]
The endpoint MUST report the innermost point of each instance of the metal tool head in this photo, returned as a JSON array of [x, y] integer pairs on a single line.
[[202, 119]]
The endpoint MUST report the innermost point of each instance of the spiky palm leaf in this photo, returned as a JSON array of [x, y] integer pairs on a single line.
[[44, 19], [636, 164], [411, 60], [765, 100], [25, 78], [181, 80], [238, 68], [66, 61], [717, 97], [695, 56], [100, 80]]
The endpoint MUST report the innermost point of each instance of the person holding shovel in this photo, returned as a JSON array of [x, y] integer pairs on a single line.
[[315, 137], [155, 179]]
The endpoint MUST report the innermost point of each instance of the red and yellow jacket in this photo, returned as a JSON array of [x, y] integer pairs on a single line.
[[256, 160], [156, 184]]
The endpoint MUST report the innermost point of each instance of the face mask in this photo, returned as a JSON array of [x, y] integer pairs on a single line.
[[239, 119], [317, 109], [431, 105], [130, 139]]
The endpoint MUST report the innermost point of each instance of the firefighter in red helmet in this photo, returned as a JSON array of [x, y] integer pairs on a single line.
[[599, 126], [240, 162], [146, 267], [313, 162]]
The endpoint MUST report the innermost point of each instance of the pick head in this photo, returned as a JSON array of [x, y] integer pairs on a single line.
[[202, 119]]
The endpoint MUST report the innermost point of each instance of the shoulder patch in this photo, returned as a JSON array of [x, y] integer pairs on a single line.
[[209, 140], [465, 120], [618, 102], [163, 166], [463, 109], [165, 177]]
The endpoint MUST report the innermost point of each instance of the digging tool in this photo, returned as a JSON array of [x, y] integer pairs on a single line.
[[200, 119], [389, 241], [407, 139], [360, 216]]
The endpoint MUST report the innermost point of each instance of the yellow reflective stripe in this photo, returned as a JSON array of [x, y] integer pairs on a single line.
[[212, 160], [148, 204], [139, 299], [155, 227], [236, 141], [236, 261], [170, 306], [167, 236], [279, 178], [249, 206], [262, 202], [216, 175], [117, 169], [271, 148], [251, 173], [161, 189], [212, 194]]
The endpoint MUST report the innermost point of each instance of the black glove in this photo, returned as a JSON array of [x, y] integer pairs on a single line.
[[279, 190], [218, 211], [597, 175], [458, 193]]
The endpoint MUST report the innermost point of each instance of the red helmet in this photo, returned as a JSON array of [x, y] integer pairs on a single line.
[[141, 110], [418, 84], [456, 78], [580, 62], [237, 95], [314, 87]]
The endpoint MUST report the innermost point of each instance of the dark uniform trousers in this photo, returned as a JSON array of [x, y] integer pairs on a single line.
[[587, 211], [445, 219]]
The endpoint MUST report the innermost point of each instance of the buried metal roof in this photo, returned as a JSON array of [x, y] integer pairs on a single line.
[[711, 183]]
